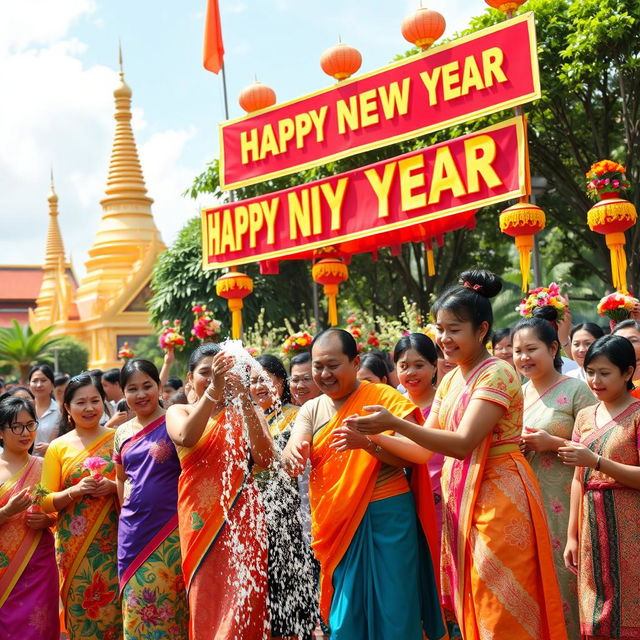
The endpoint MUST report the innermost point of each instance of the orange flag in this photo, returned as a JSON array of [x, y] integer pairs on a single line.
[[213, 46]]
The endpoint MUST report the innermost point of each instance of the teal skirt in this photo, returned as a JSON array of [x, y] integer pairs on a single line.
[[384, 586]]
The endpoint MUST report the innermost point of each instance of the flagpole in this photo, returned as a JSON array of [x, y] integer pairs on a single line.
[[232, 197]]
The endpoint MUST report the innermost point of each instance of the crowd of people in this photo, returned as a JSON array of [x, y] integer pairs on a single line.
[[481, 485]]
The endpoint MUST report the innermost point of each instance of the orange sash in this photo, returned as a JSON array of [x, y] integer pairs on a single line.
[[341, 483], [76, 532], [212, 478], [17, 541]]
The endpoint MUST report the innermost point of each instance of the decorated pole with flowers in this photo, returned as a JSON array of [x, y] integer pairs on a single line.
[[234, 286], [171, 336], [126, 352], [205, 326], [617, 307], [297, 343], [543, 297], [612, 215]]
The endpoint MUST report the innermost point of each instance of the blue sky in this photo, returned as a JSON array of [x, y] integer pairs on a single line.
[[60, 58]]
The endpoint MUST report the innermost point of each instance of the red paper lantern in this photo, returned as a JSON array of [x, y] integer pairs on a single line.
[[256, 96], [506, 6], [522, 221], [330, 272], [423, 27], [611, 217], [340, 61], [234, 286]]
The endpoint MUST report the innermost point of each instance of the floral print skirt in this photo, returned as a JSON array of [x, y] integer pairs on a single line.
[[154, 600]]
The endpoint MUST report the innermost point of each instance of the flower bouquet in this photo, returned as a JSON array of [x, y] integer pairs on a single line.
[[38, 494], [297, 342], [171, 335], [126, 352], [543, 297], [95, 465], [205, 326], [617, 307], [605, 176]]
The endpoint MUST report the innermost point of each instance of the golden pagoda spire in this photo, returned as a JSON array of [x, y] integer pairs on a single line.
[[127, 230], [54, 263]]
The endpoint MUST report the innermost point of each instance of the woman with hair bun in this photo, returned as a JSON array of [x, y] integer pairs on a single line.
[[602, 538], [498, 576], [551, 403]]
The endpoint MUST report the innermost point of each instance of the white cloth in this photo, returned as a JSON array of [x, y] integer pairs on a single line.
[[568, 365], [579, 373]]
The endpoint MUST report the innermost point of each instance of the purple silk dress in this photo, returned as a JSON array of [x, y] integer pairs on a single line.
[[149, 513]]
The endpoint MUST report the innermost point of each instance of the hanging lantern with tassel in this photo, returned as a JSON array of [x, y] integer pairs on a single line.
[[431, 264], [330, 272], [341, 61], [234, 286], [522, 221], [612, 216]]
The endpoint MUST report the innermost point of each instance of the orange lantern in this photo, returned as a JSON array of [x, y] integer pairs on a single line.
[[330, 272], [340, 61], [506, 6], [522, 221], [234, 286], [423, 27], [611, 217], [256, 96]]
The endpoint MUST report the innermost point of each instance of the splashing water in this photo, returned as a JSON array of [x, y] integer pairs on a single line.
[[274, 516]]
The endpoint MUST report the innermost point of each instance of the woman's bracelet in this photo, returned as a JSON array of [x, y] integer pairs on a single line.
[[598, 461], [208, 397]]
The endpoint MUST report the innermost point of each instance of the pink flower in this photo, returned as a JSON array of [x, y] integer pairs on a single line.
[[563, 400], [556, 543], [166, 612], [161, 451], [94, 463], [149, 614], [78, 525], [132, 599], [557, 506]]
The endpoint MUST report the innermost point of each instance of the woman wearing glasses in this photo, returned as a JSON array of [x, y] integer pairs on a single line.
[[28, 572]]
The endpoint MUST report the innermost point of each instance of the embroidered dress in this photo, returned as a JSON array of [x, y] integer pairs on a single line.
[[555, 412], [222, 535], [608, 533], [154, 599], [498, 576], [28, 573], [86, 541], [376, 573]]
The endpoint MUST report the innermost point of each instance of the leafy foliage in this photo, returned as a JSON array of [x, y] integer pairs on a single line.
[[73, 356]]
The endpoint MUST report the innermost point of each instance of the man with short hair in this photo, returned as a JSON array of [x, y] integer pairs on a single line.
[[301, 382], [377, 579], [112, 388]]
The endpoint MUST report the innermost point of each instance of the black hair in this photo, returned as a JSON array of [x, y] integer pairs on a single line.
[[112, 376], [617, 350], [627, 324], [385, 356], [134, 365], [375, 364], [60, 380], [12, 392], [46, 371], [418, 342], [9, 410], [548, 313], [179, 397], [174, 382], [349, 346], [300, 358], [77, 382], [122, 405], [499, 335], [590, 327], [469, 301], [274, 366], [203, 351], [545, 332], [96, 372]]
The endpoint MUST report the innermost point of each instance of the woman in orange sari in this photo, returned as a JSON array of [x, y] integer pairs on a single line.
[[497, 571], [602, 540], [28, 573], [220, 516], [80, 475]]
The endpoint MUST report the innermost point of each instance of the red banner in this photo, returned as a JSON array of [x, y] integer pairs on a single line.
[[406, 198], [493, 69]]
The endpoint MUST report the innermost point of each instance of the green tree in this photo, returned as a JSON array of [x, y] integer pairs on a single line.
[[21, 348], [73, 356]]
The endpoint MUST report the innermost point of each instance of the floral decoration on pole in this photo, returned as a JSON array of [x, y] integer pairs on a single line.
[[612, 215], [205, 326], [126, 352], [297, 343], [617, 307]]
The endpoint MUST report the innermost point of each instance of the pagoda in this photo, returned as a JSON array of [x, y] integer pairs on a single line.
[[110, 305]]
